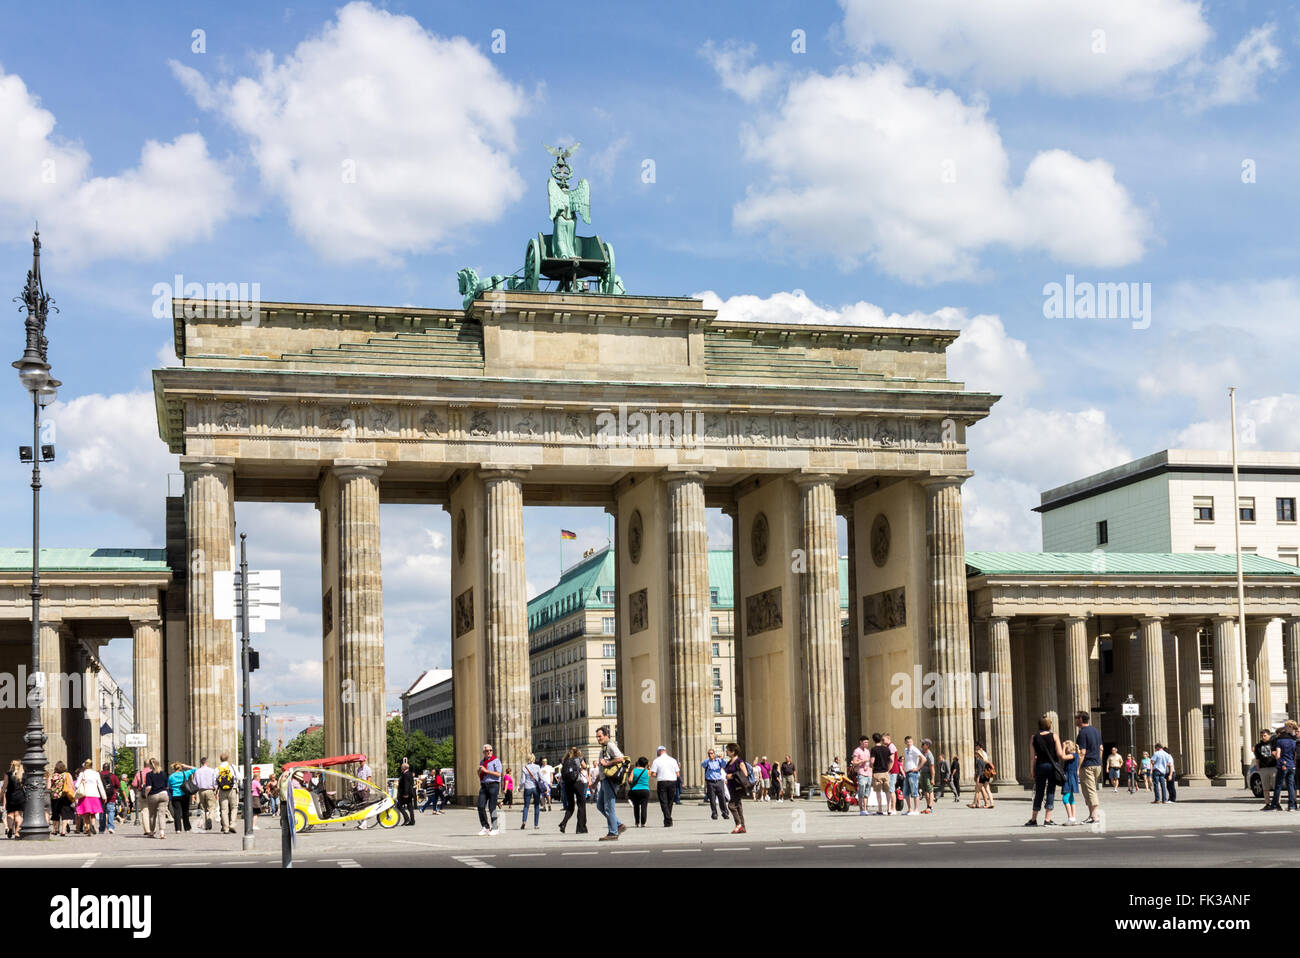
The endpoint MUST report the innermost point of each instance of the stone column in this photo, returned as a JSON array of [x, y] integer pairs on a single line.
[[146, 682], [1094, 665], [1122, 681], [1002, 748], [1021, 681], [821, 644], [1261, 675], [506, 612], [852, 648], [690, 704], [360, 625], [949, 630], [1173, 712], [1153, 725], [209, 537], [1291, 660], [982, 681], [1044, 678], [1076, 670], [1192, 760], [50, 665], [92, 714], [1227, 702]]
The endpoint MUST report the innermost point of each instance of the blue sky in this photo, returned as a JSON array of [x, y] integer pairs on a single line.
[[931, 163]]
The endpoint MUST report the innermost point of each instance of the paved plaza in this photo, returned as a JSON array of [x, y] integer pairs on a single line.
[[1217, 827]]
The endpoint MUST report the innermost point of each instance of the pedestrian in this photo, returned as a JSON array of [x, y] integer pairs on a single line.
[[737, 786], [943, 771], [138, 790], [1171, 779], [430, 793], [954, 767], [508, 789], [61, 792], [774, 792], [90, 797], [714, 787], [1267, 766], [895, 766], [638, 791], [1114, 762], [489, 789], [860, 769], [912, 759], [787, 780], [228, 783], [573, 772], [1158, 773], [984, 781], [533, 787], [1144, 772], [180, 799], [14, 798], [926, 779], [611, 767], [548, 777], [406, 793], [667, 773], [205, 779], [881, 759], [1071, 787], [1045, 747], [765, 774], [255, 798], [156, 793], [1088, 742], [1284, 751], [112, 789]]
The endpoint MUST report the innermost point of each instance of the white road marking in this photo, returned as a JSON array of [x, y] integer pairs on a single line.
[[1221, 834], [936, 843], [987, 841], [348, 863], [636, 851], [404, 841], [1088, 838], [528, 854], [88, 863], [731, 849], [772, 848], [471, 861], [1184, 835], [680, 851], [1131, 837], [1261, 833], [836, 846], [577, 853], [885, 844], [1038, 839]]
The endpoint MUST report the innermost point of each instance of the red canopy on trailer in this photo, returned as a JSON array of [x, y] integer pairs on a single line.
[[325, 762]]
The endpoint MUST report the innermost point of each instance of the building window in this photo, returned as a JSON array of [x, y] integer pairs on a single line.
[[607, 596], [713, 597], [611, 705], [609, 681], [1206, 645], [1286, 510], [1289, 555], [717, 705], [607, 625], [1246, 506], [1103, 533], [1203, 508], [607, 650], [715, 627], [717, 728], [717, 678], [717, 649]]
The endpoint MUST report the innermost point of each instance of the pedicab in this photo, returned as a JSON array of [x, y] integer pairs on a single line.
[[840, 791], [324, 795]]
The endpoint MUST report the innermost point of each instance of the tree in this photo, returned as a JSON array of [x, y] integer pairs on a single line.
[[396, 736], [125, 766], [304, 747]]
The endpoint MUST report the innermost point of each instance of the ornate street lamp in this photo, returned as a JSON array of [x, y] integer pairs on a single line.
[[34, 374]]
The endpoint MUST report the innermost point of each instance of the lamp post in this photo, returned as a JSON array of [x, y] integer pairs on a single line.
[[34, 374]]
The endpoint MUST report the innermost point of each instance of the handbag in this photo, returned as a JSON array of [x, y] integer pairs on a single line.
[[189, 785]]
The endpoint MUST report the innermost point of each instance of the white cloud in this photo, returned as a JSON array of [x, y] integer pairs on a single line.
[[1006, 44], [1266, 423], [865, 165], [1235, 78], [177, 192], [734, 64], [425, 123]]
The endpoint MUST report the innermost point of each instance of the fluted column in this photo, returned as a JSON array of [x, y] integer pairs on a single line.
[[1076, 669], [1153, 725], [1227, 702], [209, 537], [1022, 669], [1002, 748], [360, 626], [1261, 675], [506, 609], [146, 681], [852, 645], [820, 639], [949, 631], [50, 665], [1173, 713], [1094, 665], [1045, 676], [1192, 761], [1291, 661], [91, 716]]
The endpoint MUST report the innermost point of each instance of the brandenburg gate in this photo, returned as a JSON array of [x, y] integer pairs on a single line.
[[649, 407]]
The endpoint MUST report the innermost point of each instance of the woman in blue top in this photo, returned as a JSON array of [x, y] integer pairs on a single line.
[[638, 790], [180, 797], [1073, 758], [530, 778]]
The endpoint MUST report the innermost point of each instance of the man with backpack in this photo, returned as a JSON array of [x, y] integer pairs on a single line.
[[205, 778], [612, 766], [227, 794]]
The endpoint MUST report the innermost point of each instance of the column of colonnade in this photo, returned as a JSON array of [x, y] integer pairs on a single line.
[[1189, 700], [1260, 675], [1002, 748], [1227, 701], [147, 680], [1291, 656], [1044, 676], [1022, 643], [506, 617], [689, 647], [1152, 723], [1076, 668]]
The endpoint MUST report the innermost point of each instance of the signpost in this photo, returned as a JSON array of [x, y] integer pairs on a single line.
[[1131, 712]]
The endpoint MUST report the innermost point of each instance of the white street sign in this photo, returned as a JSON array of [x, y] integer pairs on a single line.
[[1131, 708], [264, 597], [135, 740]]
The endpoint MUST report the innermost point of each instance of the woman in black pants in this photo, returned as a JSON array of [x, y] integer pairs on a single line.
[[575, 792], [406, 793], [638, 790], [1047, 751]]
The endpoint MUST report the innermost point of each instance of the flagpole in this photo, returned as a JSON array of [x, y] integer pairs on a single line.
[[1241, 591]]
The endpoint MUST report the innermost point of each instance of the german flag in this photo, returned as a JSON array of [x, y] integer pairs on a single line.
[[566, 534]]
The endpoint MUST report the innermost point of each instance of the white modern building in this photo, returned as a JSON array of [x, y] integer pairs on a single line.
[[427, 705], [1180, 500]]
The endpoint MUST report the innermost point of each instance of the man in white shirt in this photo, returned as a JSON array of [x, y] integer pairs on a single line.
[[227, 794], [205, 777], [548, 776], [912, 759], [666, 772]]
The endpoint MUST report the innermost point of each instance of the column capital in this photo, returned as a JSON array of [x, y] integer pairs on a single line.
[[496, 472], [218, 465], [149, 621], [1291, 620], [817, 476], [1068, 620], [350, 468], [1220, 619], [687, 472], [999, 618], [935, 484], [1148, 619]]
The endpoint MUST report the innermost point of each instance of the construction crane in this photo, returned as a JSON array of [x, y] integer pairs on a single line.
[[280, 722]]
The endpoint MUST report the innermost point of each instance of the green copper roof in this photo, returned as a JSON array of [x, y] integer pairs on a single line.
[[86, 560], [1122, 563], [583, 582]]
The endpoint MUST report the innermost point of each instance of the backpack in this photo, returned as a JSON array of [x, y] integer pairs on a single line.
[[569, 771], [742, 778], [753, 775], [225, 779]]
